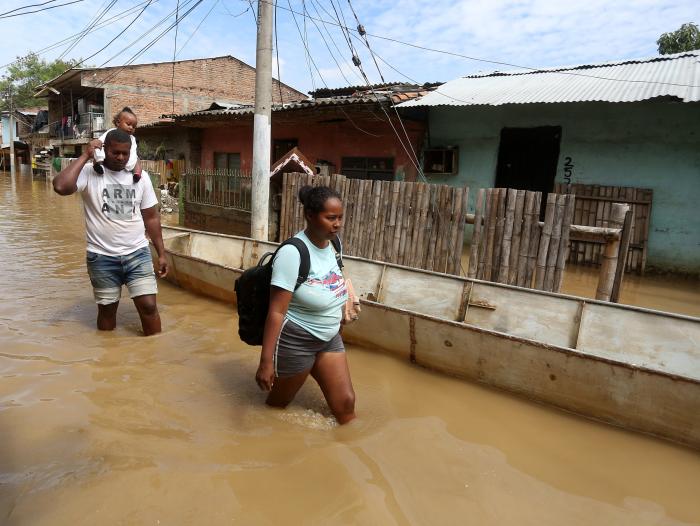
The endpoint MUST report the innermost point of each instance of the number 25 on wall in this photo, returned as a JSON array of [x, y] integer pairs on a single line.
[[568, 169]]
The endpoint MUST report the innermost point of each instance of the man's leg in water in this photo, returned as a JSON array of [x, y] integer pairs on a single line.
[[147, 308], [107, 316]]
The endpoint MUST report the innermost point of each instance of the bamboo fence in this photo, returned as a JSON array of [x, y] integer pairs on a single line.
[[594, 208], [165, 173], [414, 224], [509, 245]]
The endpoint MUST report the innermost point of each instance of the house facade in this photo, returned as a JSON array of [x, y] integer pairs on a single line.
[[628, 124], [357, 134], [82, 102]]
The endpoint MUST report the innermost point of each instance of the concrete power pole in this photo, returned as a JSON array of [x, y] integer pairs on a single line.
[[262, 133], [12, 137]]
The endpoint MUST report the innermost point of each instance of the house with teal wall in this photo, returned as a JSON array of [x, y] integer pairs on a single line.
[[634, 123]]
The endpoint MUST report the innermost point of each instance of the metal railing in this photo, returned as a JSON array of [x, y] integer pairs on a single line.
[[225, 188], [91, 124]]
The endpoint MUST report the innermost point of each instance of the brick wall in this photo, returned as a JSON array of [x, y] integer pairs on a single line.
[[148, 88]]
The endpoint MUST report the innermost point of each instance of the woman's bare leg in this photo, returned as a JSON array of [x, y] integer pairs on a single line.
[[285, 389], [332, 373]]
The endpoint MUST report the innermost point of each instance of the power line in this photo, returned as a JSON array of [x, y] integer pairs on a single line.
[[121, 31], [141, 51], [27, 7], [340, 69], [330, 36], [177, 26], [277, 54], [139, 39], [488, 61], [249, 8], [4, 15], [199, 25], [88, 27], [309, 60], [326, 84], [72, 37]]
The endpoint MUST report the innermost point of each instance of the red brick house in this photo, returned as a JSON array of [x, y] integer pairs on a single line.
[[82, 102]]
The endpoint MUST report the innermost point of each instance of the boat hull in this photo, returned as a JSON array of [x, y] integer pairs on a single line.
[[560, 350]]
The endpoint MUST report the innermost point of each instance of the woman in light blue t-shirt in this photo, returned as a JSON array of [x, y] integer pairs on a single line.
[[302, 328]]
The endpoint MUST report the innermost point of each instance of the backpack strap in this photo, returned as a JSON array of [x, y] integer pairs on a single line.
[[304, 262], [338, 246]]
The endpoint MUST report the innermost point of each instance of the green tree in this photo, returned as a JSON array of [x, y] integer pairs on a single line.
[[25, 75], [685, 38]]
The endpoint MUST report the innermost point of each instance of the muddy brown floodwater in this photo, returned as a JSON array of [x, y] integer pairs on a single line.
[[115, 428]]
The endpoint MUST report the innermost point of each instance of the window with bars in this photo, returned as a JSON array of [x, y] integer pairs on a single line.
[[375, 168], [227, 161]]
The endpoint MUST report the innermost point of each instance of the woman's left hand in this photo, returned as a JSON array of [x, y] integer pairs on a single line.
[[265, 377]]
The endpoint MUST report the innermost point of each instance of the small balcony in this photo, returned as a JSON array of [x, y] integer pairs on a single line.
[[88, 126]]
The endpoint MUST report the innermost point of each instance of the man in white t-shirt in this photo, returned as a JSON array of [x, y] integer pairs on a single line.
[[118, 206]]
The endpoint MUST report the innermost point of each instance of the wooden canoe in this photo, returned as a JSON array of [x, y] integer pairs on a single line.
[[632, 367]]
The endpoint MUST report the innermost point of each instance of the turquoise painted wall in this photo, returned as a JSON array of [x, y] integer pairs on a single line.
[[653, 145]]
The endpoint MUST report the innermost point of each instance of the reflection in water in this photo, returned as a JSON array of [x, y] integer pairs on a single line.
[[118, 429]]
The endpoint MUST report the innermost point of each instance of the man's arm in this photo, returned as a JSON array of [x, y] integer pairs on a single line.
[[151, 220], [66, 182]]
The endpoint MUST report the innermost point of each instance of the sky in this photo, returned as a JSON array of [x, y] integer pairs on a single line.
[[531, 33]]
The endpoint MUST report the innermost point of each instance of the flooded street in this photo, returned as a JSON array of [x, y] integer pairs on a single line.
[[114, 428]]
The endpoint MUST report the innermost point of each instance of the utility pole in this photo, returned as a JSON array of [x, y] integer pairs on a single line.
[[262, 127], [12, 136]]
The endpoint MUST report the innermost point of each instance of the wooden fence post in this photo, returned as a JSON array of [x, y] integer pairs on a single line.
[[541, 264], [622, 256], [504, 267], [610, 261], [476, 235]]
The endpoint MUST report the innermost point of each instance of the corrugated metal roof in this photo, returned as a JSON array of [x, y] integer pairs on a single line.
[[674, 76], [365, 98]]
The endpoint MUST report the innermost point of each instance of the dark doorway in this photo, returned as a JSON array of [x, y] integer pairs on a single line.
[[281, 146], [527, 158]]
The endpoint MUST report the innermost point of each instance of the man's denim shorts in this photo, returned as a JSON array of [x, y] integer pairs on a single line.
[[109, 273]]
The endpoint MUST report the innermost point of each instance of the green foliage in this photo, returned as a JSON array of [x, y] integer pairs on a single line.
[[25, 76], [149, 151], [685, 38]]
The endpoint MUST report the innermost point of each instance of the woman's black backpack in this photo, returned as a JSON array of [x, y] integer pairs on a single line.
[[253, 289]]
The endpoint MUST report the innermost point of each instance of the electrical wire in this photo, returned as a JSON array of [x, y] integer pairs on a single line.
[[309, 60], [200, 24], [27, 7], [326, 84], [340, 69], [381, 106], [330, 37], [95, 20], [40, 10], [562, 71], [177, 26], [140, 52], [277, 54], [120, 33], [67, 40], [249, 8]]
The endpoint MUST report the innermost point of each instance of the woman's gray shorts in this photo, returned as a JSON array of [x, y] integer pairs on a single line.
[[296, 349]]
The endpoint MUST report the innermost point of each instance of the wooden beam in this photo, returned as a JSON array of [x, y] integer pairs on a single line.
[[580, 232]]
